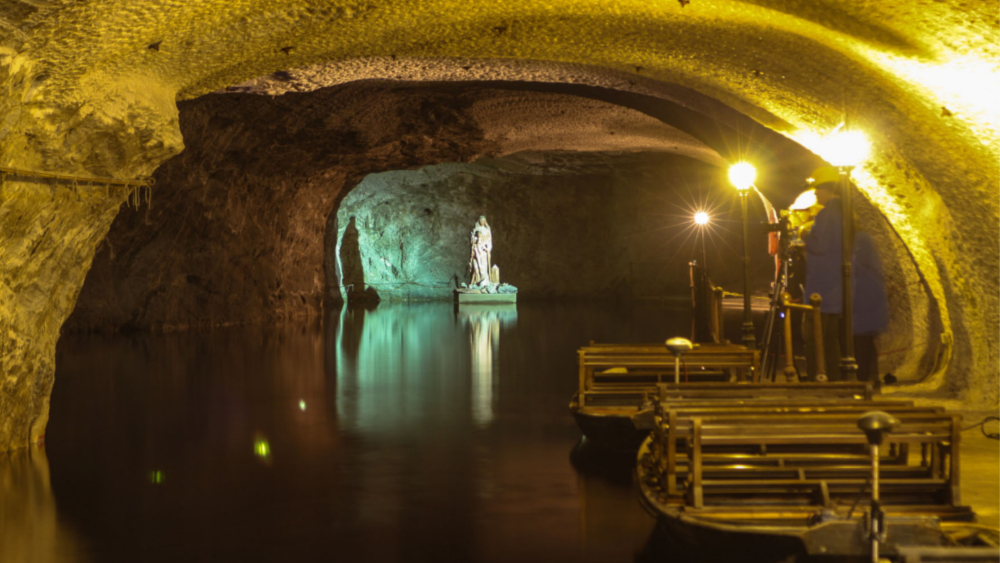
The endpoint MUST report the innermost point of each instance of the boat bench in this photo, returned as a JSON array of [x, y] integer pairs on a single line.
[[621, 370], [933, 478], [627, 393], [724, 393], [674, 430]]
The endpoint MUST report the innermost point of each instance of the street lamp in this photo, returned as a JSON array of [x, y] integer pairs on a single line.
[[742, 176], [701, 219], [846, 149]]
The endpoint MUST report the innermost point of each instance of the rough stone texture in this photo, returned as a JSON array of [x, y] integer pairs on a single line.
[[234, 233], [50, 230], [618, 230], [919, 76], [236, 228]]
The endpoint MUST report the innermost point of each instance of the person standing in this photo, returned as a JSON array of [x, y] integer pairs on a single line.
[[823, 244], [871, 305]]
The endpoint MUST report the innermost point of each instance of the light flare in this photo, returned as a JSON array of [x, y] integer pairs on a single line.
[[839, 147], [742, 175], [965, 85], [701, 218]]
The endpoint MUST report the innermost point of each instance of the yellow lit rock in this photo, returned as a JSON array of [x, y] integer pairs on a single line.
[[90, 88]]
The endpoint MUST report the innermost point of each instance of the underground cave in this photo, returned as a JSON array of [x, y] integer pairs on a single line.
[[232, 233]]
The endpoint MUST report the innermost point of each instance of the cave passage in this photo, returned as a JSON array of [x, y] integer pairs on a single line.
[[261, 361], [600, 227]]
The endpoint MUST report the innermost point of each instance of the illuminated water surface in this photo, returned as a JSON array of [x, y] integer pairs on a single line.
[[400, 433]]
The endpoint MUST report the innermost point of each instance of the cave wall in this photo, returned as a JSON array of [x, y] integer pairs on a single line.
[[237, 230], [89, 87], [234, 231], [608, 227]]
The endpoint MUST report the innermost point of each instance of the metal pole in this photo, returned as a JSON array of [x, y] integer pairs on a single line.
[[789, 350], [704, 257], [816, 300], [720, 321], [749, 340], [848, 365], [677, 368], [875, 531]]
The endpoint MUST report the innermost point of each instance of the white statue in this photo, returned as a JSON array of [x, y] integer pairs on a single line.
[[482, 247]]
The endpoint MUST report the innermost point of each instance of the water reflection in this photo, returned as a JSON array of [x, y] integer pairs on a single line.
[[395, 367], [30, 529], [484, 323], [399, 432]]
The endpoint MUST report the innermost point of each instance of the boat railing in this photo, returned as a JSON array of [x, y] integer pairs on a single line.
[[801, 454], [616, 369]]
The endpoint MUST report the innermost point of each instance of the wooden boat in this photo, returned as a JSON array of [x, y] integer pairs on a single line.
[[619, 385], [792, 484], [617, 381]]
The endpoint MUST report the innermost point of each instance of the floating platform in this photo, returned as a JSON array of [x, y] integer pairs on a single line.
[[461, 298]]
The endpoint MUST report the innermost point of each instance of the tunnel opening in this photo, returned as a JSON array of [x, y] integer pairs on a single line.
[[245, 227], [566, 226]]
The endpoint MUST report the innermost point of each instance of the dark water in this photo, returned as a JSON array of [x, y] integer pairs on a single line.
[[401, 433]]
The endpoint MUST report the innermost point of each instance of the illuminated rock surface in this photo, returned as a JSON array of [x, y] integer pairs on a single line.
[[260, 177], [89, 88]]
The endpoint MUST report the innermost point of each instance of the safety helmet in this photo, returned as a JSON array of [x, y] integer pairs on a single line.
[[825, 175]]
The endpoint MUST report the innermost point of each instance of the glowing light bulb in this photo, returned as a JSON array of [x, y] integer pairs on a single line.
[[302, 405], [742, 175], [701, 218]]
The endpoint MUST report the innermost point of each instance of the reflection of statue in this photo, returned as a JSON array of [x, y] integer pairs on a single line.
[[485, 322], [484, 334], [482, 247]]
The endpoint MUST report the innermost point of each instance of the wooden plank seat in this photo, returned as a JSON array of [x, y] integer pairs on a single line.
[[631, 395], [820, 492], [746, 390], [938, 434], [832, 469], [673, 430], [618, 424], [625, 367]]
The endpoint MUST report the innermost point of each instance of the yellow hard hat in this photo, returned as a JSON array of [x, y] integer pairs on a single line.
[[825, 175]]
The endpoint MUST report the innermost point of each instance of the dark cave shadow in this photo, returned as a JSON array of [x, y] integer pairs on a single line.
[[353, 268]]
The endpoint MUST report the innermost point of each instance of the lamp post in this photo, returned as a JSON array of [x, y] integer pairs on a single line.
[[701, 219], [845, 149], [742, 176]]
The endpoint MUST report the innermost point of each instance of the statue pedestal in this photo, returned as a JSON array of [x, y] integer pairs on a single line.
[[463, 297]]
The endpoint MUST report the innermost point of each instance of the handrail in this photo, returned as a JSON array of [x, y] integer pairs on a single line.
[[5, 171], [816, 301]]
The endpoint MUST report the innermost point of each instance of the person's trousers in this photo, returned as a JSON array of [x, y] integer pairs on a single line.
[[831, 346], [866, 355]]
